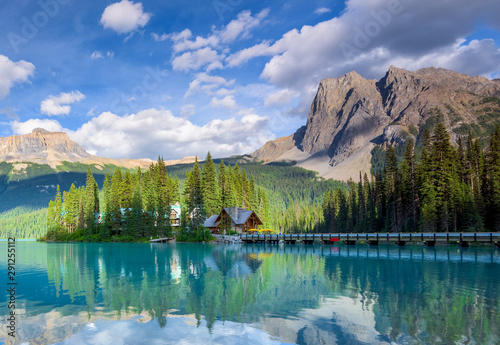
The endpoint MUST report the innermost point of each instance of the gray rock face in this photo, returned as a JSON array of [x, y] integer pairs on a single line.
[[41, 144], [349, 114], [346, 113]]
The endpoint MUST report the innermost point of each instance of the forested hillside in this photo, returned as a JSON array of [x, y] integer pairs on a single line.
[[26, 189]]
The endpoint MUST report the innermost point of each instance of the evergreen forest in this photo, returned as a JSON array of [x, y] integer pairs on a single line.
[[447, 189]]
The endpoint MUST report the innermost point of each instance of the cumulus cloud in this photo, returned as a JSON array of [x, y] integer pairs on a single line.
[[196, 59], [58, 105], [12, 73], [281, 97], [124, 17], [226, 102], [154, 132], [28, 126], [209, 52], [241, 26], [369, 37], [207, 83]]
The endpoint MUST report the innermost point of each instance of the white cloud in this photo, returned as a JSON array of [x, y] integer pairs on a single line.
[[281, 97], [207, 83], [160, 38], [154, 132], [182, 41], [187, 110], [322, 10], [197, 59], [91, 112], [28, 126], [261, 49], [110, 54], [124, 17], [241, 26], [226, 102], [96, 55], [13, 72], [209, 52], [58, 105]]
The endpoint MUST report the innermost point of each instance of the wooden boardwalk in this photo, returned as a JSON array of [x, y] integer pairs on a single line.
[[428, 238], [161, 240]]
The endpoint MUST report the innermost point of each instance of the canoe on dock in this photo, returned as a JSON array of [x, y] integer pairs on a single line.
[[161, 240]]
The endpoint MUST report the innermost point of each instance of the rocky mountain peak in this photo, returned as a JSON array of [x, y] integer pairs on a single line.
[[351, 114]]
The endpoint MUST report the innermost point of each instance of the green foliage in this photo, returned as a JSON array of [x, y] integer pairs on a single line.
[[449, 190], [199, 234], [23, 222]]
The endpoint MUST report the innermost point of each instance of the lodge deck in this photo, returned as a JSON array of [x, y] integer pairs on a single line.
[[427, 238]]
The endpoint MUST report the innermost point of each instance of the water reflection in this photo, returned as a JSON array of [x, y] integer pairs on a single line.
[[140, 293]]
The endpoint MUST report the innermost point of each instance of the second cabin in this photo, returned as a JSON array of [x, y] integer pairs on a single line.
[[233, 218]]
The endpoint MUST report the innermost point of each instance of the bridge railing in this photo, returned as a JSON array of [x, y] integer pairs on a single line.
[[389, 237]]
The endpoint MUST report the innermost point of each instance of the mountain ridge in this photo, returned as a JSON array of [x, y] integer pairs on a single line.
[[351, 115], [53, 148]]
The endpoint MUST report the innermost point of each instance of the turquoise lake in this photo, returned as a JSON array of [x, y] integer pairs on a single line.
[[117, 293]]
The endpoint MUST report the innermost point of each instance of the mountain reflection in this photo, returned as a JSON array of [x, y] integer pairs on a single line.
[[81, 293]]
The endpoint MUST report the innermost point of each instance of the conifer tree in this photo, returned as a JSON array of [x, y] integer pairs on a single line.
[[193, 195], [408, 187], [210, 188], [126, 191], [91, 204], [492, 181]]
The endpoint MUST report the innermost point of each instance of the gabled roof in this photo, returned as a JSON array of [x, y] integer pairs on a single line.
[[238, 215], [211, 222]]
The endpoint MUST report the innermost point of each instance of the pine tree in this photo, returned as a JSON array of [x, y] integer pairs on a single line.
[[126, 191], [210, 188], [409, 187], [444, 178], [193, 196], [392, 183], [492, 182], [115, 201], [106, 226], [91, 204]]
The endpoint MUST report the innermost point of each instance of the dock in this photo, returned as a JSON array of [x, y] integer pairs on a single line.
[[162, 240], [429, 239]]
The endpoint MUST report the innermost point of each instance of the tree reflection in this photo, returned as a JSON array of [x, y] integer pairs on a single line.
[[413, 301]]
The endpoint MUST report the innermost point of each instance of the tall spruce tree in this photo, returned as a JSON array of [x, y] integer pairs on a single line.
[[210, 188]]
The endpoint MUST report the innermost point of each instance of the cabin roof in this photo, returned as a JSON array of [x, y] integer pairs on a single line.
[[211, 222], [238, 215]]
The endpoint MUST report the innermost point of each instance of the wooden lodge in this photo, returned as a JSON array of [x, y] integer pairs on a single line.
[[232, 219]]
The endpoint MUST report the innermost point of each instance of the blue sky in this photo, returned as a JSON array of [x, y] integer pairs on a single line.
[[175, 78]]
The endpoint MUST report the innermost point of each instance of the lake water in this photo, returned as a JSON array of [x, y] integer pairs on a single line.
[[115, 293]]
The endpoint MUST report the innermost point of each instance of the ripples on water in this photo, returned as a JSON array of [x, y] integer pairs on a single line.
[[254, 294]]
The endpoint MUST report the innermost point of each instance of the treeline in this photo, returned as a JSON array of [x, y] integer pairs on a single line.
[[447, 189], [137, 205]]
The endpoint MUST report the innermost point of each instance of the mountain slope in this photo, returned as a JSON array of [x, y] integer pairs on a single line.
[[351, 115], [52, 148]]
